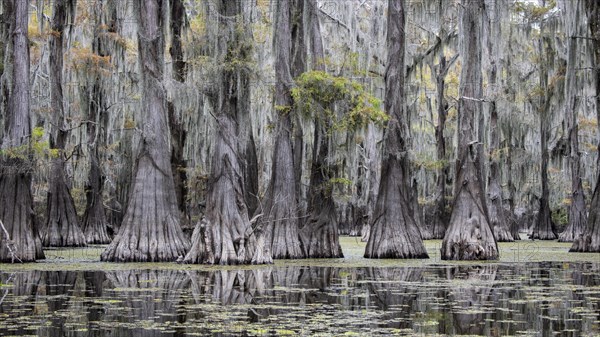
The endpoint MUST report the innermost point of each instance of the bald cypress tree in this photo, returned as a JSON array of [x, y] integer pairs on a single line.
[[469, 236], [498, 220], [151, 229], [280, 206], [225, 235], [577, 207], [589, 241], [394, 233], [544, 228], [62, 227], [178, 132], [18, 236]]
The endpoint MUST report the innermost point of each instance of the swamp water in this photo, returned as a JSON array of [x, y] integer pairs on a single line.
[[342, 297]]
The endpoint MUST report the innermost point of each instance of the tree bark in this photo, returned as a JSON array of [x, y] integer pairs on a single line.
[[394, 233], [225, 236], [299, 53], [510, 212], [469, 236], [373, 162], [5, 66], [178, 133], [95, 223], [441, 216], [151, 228], [279, 208], [16, 200], [577, 208], [249, 163], [319, 234], [62, 226], [589, 241], [544, 228], [498, 221]]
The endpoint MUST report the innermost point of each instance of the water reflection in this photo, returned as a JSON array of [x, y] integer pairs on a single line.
[[148, 302], [537, 299]]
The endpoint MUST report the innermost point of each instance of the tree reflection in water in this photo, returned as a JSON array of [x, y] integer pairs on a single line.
[[538, 299], [150, 299]]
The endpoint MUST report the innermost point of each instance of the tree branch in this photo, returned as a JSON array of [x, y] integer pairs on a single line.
[[10, 245]]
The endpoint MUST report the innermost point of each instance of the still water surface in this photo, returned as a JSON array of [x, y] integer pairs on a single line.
[[530, 299]]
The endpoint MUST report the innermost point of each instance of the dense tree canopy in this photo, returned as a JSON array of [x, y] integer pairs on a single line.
[[262, 129]]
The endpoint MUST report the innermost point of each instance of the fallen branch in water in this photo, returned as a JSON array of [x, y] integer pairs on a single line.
[[10, 245]]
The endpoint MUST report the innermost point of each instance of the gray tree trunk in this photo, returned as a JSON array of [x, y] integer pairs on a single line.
[[178, 133], [544, 228], [373, 162], [279, 208], [441, 216], [225, 235], [497, 216], [469, 236], [577, 208], [249, 163], [62, 224], [16, 200], [299, 9], [498, 221], [95, 223], [510, 212], [589, 241], [394, 233], [319, 234], [5, 67], [151, 228]]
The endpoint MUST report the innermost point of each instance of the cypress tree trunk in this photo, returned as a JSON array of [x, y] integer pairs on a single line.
[[394, 233], [120, 191], [16, 200], [178, 133], [544, 228], [510, 212], [225, 235], [280, 208], [5, 69], [373, 180], [319, 235], [62, 226], [95, 223], [440, 217], [577, 208], [589, 241], [498, 221], [298, 66], [151, 228], [469, 236], [244, 119]]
